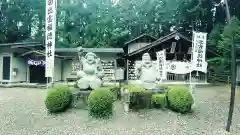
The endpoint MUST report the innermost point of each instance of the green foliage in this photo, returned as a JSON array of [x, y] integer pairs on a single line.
[[162, 86], [221, 39], [133, 88], [116, 92], [94, 23], [100, 102], [180, 99], [58, 99], [159, 99], [75, 85], [89, 23]]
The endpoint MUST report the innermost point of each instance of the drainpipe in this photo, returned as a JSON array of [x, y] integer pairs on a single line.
[[62, 69]]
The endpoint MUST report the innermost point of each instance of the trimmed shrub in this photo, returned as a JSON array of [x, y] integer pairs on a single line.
[[58, 99], [162, 86], [75, 85], [180, 99], [159, 100], [100, 102], [116, 92], [133, 88]]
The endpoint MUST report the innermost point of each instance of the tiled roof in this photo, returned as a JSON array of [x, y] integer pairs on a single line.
[[139, 37], [111, 50]]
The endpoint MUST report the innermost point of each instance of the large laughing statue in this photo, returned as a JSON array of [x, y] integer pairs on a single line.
[[90, 77], [146, 72]]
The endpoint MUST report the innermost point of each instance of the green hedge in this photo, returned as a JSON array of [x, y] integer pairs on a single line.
[[116, 91], [58, 98], [159, 100], [179, 99], [133, 88], [100, 102]]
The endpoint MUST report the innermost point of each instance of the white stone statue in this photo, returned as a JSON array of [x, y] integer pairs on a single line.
[[90, 77], [146, 72]]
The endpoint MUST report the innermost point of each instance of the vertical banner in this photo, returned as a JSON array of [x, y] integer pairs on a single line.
[[50, 28], [161, 64], [199, 52]]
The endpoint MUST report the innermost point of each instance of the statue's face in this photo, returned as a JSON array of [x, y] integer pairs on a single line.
[[91, 59], [146, 59]]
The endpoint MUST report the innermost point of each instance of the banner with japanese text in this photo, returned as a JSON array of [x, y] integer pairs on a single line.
[[50, 28], [199, 52], [161, 62], [35, 62]]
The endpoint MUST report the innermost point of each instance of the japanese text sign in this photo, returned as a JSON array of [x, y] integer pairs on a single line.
[[199, 51], [161, 61], [50, 26]]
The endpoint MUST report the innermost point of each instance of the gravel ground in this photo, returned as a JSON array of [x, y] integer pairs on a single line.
[[22, 112]]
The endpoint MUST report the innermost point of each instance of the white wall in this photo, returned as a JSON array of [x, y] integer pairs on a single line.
[[20, 64], [57, 69]]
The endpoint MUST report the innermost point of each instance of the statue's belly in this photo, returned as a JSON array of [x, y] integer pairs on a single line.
[[149, 75], [89, 70]]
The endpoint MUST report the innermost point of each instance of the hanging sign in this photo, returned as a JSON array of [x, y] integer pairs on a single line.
[[119, 74], [76, 66], [178, 67], [199, 52], [50, 26], [161, 64], [35, 62]]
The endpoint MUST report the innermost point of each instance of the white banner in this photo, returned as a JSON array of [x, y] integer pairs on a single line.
[[199, 51], [161, 64], [178, 67], [50, 27]]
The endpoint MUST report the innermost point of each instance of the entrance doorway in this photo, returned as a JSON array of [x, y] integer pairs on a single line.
[[37, 74], [6, 68]]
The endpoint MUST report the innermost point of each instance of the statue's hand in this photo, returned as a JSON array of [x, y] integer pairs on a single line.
[[80, 50], [98, 60]]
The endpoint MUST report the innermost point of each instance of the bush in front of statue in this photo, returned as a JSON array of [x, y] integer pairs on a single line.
[[179, 99], [58, 99], [159, 100], [100, 103]]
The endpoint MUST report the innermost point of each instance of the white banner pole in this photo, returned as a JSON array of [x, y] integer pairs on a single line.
[[50, 31], [190, 75], [191, 67]]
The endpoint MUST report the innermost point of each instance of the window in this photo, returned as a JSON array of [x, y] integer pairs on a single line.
[[173, 47]]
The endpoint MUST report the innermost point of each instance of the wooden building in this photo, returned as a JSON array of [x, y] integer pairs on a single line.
[[178, 48], [25, 63]]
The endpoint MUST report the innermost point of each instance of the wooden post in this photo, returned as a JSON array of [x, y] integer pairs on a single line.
[[233, 76]]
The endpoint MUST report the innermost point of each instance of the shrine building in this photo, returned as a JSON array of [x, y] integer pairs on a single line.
[[178, 55], [25, 63]]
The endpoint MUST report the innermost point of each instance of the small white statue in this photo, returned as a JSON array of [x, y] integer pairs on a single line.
[[146, 72], [90, 77]]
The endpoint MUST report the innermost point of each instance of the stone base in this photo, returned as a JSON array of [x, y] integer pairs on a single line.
[[80, 98], [144, 100]]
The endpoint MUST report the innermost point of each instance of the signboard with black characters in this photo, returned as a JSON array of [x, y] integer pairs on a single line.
[[50, 26], [199, 51], [161, 61]]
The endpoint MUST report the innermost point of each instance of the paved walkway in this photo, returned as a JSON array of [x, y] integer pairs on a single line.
[[22, 112]]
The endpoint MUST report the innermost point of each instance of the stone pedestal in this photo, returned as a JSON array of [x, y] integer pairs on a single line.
[[80, 98]]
